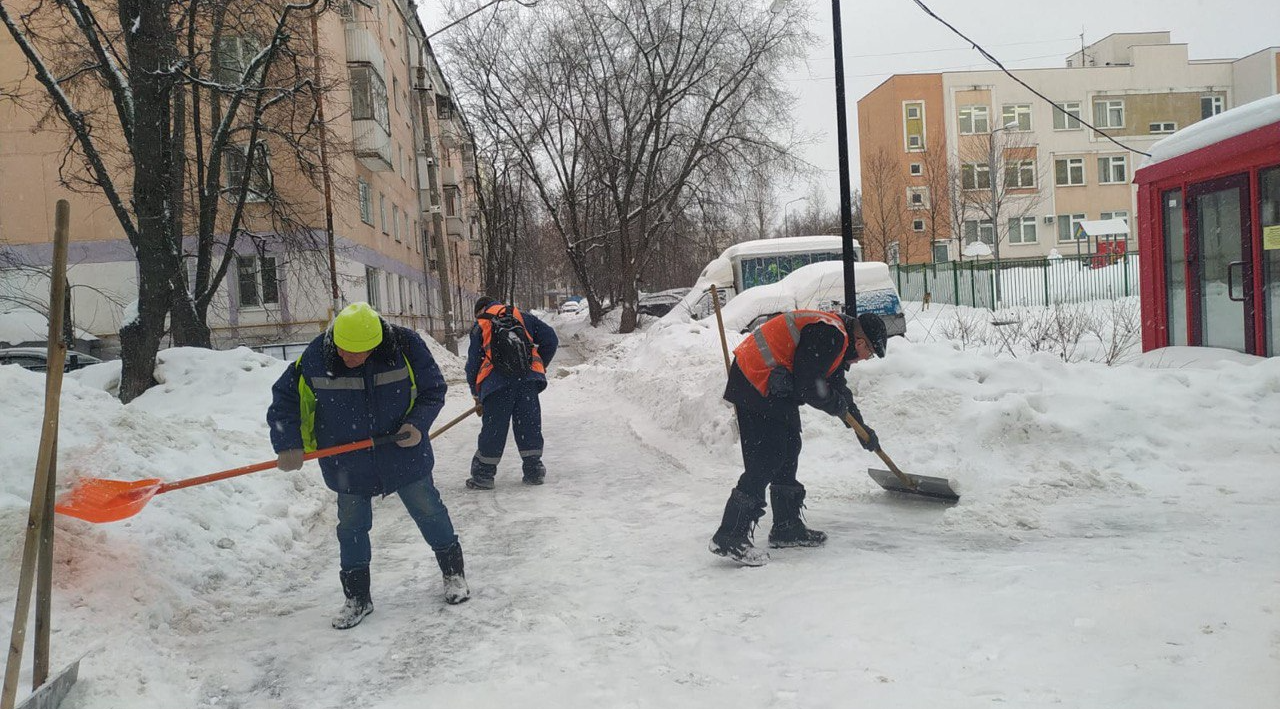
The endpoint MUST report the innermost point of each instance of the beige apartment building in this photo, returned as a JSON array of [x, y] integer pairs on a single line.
[[949, 135], [403, 197]]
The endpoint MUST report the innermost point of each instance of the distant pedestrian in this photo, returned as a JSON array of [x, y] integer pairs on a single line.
[[507, 370], [365, 378], [792, 359]]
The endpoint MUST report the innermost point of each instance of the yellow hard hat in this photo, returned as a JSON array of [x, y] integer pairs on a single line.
[[357, 328]]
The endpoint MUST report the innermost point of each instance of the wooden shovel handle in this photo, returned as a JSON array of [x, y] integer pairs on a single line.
[[864, 436], [724, 344]]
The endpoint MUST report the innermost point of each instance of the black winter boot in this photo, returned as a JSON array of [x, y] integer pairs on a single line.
[[355, 586], [733, 539], [482, 475], [455, 581], [788, 529], [534, 470]]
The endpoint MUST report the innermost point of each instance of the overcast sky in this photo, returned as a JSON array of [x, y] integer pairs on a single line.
[[884, 37]]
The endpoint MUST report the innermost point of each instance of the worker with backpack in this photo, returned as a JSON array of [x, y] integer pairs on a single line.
[[507, 370]]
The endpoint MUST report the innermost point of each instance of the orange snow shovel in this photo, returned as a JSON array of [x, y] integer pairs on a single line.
[[894, 480], [99, 500]]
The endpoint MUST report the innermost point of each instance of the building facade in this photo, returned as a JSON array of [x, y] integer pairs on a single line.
[[403, 194], [976, 157]]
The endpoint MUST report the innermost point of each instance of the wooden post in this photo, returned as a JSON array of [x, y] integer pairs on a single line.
[[41, 497], [724, 344]]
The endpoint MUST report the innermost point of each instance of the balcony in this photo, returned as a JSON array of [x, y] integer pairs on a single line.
[[449, 175], [363, 47], [372, 145]]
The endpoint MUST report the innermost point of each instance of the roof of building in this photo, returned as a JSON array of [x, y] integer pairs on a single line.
[[1104, 227]]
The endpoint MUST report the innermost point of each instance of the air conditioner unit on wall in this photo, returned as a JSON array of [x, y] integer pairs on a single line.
[[433, 209], [1048, 219]]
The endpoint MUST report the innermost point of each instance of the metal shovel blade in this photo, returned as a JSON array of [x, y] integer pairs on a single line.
[[925, 486]]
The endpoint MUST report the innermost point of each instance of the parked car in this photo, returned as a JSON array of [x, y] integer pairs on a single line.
[[813, 274], [660, 303], [570, 306], [37, 359]]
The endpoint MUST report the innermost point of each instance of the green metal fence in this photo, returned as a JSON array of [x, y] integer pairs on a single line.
[[1023, 282]]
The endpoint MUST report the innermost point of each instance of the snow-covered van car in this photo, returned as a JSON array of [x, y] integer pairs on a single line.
[[759, 279]]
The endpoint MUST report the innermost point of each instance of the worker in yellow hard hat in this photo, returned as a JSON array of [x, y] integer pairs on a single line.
[[365, 378]]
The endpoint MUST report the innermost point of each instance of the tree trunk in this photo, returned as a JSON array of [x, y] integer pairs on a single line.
[[187, 324]]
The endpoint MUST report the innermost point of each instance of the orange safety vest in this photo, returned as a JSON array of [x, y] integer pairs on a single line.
[[486, 334], [773, 345]]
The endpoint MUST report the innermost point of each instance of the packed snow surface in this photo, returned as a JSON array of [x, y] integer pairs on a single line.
[[1115, 544]]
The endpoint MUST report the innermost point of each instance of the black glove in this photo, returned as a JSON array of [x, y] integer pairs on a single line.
[[872, 443]]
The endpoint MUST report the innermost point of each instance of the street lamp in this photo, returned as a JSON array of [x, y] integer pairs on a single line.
[[842, 141], [992, 174], [786, 224], [491, 3]]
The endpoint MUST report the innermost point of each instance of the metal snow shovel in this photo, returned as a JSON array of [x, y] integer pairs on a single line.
[[895, 480], [99, 500]]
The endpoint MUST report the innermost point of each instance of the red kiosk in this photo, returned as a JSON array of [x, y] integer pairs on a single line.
[[1209, 233]]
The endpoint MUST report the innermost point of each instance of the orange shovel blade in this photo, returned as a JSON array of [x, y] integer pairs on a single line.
[[98, 500]]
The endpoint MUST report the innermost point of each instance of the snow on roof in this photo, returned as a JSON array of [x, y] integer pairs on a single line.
[[1228, 124], [788, 245], [1104, 227]]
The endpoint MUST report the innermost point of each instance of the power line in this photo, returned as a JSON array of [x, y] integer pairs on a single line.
[[917, 71], [1024, 84]]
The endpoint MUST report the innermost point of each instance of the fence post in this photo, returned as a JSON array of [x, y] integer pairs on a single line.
[[1125, 265], [955, 279], [1047, 265]]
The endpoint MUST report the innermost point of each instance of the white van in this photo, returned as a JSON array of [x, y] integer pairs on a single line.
[[767, 264]]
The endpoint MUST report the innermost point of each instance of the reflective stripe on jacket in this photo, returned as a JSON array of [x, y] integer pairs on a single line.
[[773, 345], [486, 340]]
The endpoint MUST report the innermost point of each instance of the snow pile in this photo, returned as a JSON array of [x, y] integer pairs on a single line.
[[452, 366], [19, 325]]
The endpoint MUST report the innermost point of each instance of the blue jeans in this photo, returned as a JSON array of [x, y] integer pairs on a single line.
[[515, 406], [421, 499]]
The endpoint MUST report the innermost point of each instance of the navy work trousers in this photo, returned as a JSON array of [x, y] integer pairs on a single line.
[[516, 407]]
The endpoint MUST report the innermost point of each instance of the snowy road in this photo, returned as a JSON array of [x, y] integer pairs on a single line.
[[1115, 546]]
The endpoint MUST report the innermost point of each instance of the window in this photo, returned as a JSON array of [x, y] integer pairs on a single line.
[[1175, 266], [382, 212], [373, 287], [395, 221], [1070, 120], [917, 225], [916, 168], [1108, 113], [1210, 106], [256, 278], [979, 230], [1162, 127], [405, 303], [232, 56], [1111, 170], [1018, 114], [366, 201], [234, 165], [451, 201], [974, 119], [395, 94], [975, 176], [941, 252], [1067, 224], [1020, 174], [1122, 214], [763, 270], [444, 108], [369, 96], [1068, 172], [913, 125], [918, 197], [1022, 230]]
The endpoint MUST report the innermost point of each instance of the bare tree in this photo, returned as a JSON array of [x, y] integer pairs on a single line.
[[620, 109], [171, 109], [884, 209], [937, 196], [999, 182]]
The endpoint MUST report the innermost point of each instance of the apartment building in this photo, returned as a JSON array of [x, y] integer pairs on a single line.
[[403, 197], [965, 146]]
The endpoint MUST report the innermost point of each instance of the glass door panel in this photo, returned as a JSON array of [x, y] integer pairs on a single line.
[[1270, 295], [1219, 231], [1175, 267]]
